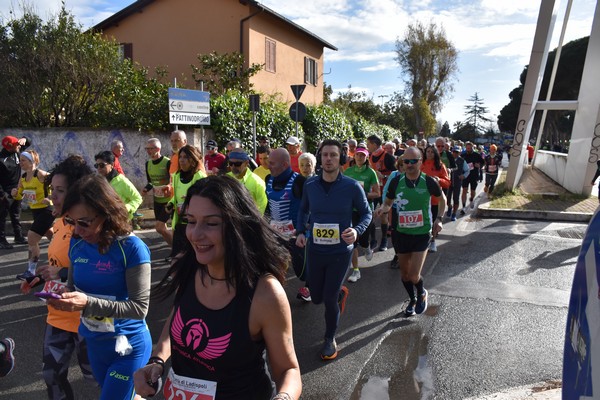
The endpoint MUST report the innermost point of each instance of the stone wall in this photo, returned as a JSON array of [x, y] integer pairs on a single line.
[[54, 144]]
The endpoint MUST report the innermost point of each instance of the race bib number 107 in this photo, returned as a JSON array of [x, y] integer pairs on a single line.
[[410, 219]]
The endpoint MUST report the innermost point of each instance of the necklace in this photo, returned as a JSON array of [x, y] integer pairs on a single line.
[[213, 278], [414, 183]]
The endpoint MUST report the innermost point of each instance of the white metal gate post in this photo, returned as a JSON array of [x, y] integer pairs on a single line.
[[584, 148], [531, 90]]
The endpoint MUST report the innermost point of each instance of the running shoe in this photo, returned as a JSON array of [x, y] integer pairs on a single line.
[[421, 306], [432, 247], [4, 245], [25, 276], [394, 262], [342, 297], [20, 240], [462, 212], [7, 361], [368, 254], [485, 188], [383, 245], [448, 213], [354, 276], [472, 204], [453, 217], [329, 351], [409, 311], [304, 294]]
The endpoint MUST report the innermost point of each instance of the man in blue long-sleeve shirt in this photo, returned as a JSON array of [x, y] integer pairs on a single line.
[[325, 226]]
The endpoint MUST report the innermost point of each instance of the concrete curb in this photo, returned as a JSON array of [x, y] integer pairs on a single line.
[[485, 211]]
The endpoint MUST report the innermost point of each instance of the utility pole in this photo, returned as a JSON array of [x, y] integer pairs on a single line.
[[383, 96]]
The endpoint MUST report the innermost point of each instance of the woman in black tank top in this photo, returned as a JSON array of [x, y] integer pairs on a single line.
[[230, 306]]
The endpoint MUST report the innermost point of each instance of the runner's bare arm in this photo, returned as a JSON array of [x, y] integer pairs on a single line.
[[271, 317]]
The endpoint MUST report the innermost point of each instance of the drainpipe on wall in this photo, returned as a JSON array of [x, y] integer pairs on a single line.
[[260, 9]]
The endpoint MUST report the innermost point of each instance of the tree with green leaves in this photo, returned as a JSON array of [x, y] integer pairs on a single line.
[[52, 73], [230, 117], [476, 114], [464, 131], [133, 100], [445, 130], [222, 72], [558, 123], [428, 61]]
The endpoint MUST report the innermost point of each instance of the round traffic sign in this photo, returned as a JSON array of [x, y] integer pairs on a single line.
[[297, 111]]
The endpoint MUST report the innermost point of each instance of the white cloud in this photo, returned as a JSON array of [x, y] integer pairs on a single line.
[[381, 66], [494, 37]]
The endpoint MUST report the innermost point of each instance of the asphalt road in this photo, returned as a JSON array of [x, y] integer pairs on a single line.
[[499, 293]]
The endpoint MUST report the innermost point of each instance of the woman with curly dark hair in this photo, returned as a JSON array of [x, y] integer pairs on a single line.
[[229, 303], [110, 276], [61, 338]]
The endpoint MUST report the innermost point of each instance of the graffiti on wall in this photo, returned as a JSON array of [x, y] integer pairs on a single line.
[[595, 150], [517, 146], [55, 146]]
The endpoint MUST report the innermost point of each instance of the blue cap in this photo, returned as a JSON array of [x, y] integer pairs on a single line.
[[239, 155]]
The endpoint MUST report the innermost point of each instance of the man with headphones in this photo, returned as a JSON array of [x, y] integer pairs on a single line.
[[325, 228]]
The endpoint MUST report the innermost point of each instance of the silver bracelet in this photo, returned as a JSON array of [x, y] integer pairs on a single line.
[[282, 396]]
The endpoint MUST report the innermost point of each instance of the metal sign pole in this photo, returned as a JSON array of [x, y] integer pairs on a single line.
[[202, 126], [175, 85], [296, 118]]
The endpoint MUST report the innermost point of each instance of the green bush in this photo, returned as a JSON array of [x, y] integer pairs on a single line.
[[324, 122]]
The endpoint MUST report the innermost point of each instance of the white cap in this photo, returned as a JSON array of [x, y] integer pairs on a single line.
[[293, 140]]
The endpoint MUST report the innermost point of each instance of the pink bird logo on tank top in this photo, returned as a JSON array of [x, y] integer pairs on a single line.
[[195, 337]]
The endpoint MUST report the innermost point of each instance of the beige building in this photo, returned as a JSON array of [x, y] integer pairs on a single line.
[[171, 33]]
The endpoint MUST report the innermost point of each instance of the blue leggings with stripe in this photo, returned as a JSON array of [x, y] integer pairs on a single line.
[[326, 273], [113, 372]]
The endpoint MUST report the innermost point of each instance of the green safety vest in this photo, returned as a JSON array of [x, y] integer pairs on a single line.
[[159, 176]]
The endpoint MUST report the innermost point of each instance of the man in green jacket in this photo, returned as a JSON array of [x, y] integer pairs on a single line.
[[105, 165], [238, 161]]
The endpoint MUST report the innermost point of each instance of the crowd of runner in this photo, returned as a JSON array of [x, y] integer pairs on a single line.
[[316, 213]]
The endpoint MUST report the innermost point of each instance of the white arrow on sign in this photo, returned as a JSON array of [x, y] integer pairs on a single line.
[[189, 106]]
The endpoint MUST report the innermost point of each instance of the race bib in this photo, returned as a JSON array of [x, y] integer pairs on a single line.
[[54, 286], [410, 219], [286, 228], [470, 166], [99, 324], [492, 168], [161, 191], [328, 234], [183, 388], [28, 197]]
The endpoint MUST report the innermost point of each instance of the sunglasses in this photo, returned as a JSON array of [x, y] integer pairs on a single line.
[[412, 161], [81, 222], [100, 165], [236, 163], [150, 148]]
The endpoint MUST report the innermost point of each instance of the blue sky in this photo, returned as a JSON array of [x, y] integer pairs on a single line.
[[493, 37]]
